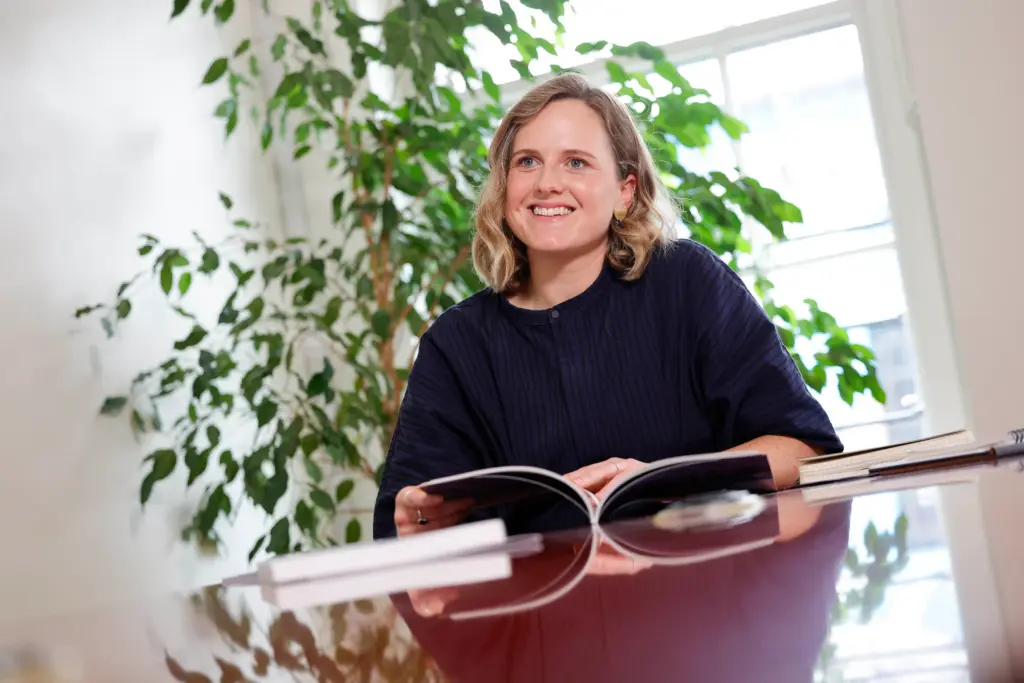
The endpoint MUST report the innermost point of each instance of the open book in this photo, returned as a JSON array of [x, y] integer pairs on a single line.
[[644, 491], [528, 571]]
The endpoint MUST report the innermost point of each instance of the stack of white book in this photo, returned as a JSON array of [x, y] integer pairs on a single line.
[[461, 555]]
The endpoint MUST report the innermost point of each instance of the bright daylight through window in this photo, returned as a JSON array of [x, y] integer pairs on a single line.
[[793, 71]]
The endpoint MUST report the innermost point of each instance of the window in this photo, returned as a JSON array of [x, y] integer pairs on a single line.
[[793, 71], [595, 20]]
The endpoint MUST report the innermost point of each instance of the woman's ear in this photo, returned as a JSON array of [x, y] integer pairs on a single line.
[[627, 191]]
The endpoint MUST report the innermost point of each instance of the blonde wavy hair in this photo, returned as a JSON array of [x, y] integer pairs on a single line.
[[500, 258]]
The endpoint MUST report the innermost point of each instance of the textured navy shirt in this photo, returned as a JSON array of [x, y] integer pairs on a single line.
[[681, 361]]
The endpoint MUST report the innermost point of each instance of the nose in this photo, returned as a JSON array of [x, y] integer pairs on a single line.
[[549, 181]]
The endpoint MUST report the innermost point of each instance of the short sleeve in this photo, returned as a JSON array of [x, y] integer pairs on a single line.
[[749, 384], [434, 435]]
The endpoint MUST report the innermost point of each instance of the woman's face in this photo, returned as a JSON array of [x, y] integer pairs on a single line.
[[563, 185]]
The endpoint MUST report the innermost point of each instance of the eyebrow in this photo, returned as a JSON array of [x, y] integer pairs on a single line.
[[567, 152]]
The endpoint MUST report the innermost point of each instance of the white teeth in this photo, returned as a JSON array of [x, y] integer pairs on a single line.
[[555, 211]]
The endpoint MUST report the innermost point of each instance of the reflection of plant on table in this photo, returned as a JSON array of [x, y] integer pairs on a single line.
[[872, 574], [358, 641], [307, 349]]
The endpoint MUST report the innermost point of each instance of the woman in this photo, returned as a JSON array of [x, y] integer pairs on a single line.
[[600, 342]]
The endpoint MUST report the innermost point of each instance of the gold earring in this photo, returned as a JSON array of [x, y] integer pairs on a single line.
[[620, 214]]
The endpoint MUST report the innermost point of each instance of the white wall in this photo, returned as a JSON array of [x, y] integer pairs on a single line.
[[105, 134], [965, 62]]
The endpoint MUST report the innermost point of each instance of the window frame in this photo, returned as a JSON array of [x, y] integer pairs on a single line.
[[913, 218], [897, 132]]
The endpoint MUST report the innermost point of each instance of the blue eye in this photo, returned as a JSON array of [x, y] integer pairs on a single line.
[[526, 162], [577, 163]]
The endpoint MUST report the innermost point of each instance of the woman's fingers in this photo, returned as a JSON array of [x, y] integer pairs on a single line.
[[594, 477], [598, 476], [415, 497], [413, 504], [431, 523], [431, 602]]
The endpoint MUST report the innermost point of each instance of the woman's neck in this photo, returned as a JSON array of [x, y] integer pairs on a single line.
[[554, 280]]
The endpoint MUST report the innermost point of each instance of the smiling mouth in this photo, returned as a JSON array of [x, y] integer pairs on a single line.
[[551, 211]]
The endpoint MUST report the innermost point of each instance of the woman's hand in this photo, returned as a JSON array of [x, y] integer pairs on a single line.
[[608, 561], [417, 511], [431, 602], [599, 477]]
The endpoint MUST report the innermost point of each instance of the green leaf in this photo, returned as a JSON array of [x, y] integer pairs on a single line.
[[196, 461], [194, 337], [305, 518], [321, 381], [229, 465], [278, 48], [243, 47], [389, 216], [587, 48], [322, 500], [301, 152], [179, 7], [224, 11], [279, 538], [86, 310], [257, 546], [343, 491], [340, 83], [289, 84], [265, 412], [316, 475], [353, 531], [336, 206], [225, 200], [166, 277], [163, 461], [616, 72], [184, 282], [210, 262], [124, 307], [490, 87], [113, 405], [380, 323], [138, 424], [670, 73], [733, 127], [309, 443], [216, 70], [213, 435]]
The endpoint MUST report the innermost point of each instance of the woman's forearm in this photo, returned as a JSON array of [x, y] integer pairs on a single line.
[[784, 456]]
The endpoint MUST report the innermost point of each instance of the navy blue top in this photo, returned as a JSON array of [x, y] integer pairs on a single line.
[[683, 360]]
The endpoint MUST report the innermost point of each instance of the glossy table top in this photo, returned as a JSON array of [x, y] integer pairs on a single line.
[[860, 589]]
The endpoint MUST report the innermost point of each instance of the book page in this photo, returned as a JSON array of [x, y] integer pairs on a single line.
[[665, 481], [526, 498]]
